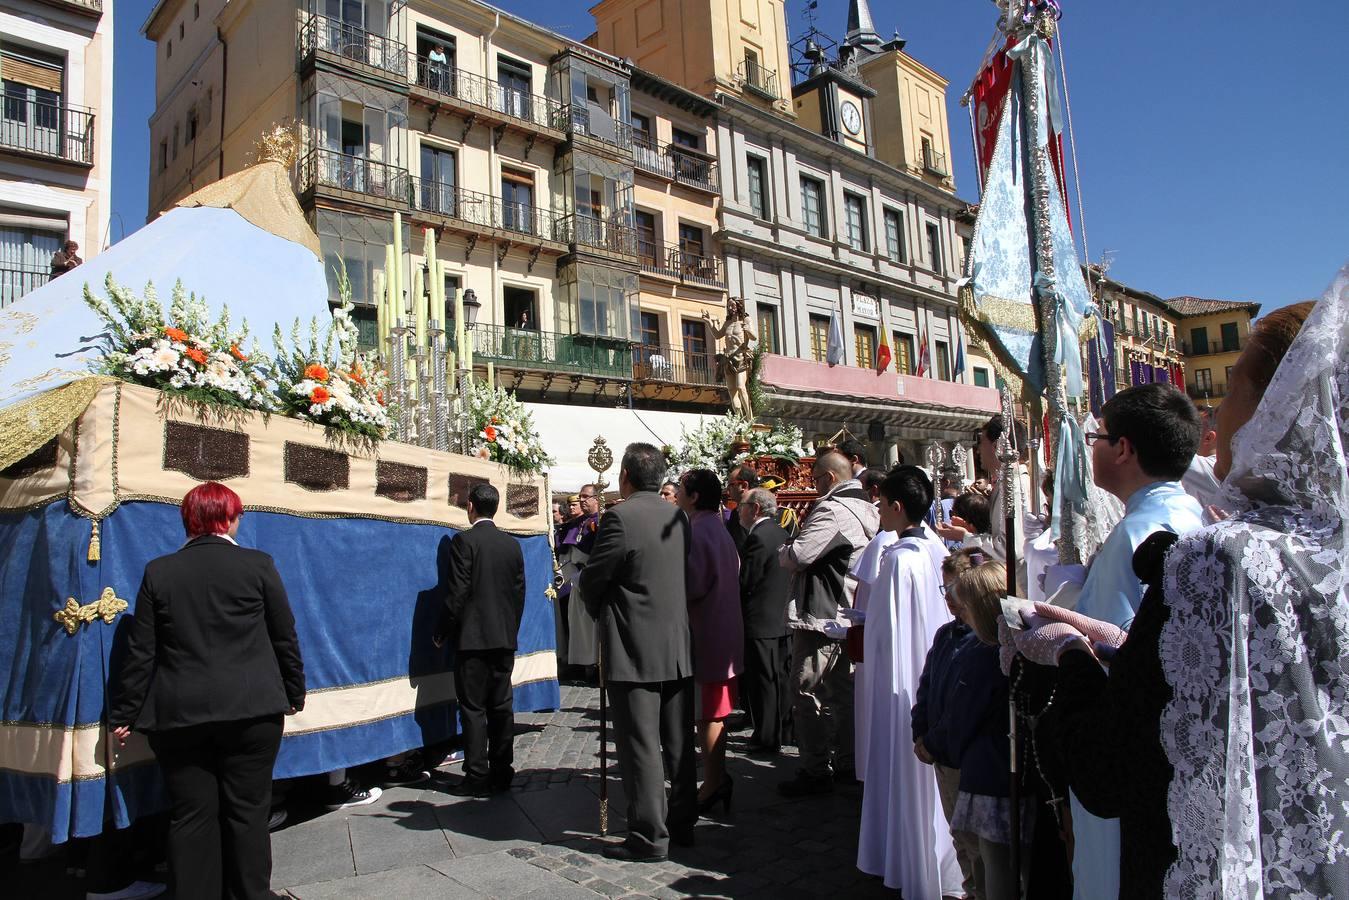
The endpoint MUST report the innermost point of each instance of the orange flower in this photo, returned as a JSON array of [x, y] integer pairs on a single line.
[[319, 395], [175, 334], [237, 353], [379, 397], [495, 420], [197, 356], [316, 372], [490, 433], [354, 377]]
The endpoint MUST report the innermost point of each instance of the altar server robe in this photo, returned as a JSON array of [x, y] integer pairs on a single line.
[[904, 836], [866, 571]]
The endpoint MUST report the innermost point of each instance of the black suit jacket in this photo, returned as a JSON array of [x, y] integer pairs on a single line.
[[737, 532], [486, 596], [212, 640], [765, 586], [634, 584]]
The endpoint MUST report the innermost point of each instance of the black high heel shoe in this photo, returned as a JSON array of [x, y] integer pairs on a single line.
[[722, 793]]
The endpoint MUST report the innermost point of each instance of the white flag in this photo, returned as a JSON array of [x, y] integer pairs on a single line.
[[834, 351]]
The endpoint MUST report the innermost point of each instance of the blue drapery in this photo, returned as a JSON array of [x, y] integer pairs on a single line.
[[366, 595]]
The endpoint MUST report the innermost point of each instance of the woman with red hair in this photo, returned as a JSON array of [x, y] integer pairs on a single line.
[[212, 665]]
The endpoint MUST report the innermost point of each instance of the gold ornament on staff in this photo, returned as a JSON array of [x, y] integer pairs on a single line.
[[600, 459]]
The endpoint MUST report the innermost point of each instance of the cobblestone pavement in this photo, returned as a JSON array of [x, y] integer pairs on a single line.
[[539, 840]]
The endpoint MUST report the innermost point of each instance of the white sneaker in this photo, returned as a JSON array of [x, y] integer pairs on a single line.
[[137, 890], [347, 795]]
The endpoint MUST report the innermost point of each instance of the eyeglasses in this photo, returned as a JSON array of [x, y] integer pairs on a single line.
[[1094, 436]]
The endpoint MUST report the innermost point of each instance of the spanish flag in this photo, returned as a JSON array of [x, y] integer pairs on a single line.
[[883, 354]]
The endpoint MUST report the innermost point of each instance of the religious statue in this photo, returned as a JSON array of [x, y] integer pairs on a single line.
[[734, 364]]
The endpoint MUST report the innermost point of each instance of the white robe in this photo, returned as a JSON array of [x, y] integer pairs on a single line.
[[866, 570], [904, 836]]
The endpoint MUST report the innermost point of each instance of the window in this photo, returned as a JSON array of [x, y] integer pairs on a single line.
[[451, 287], [597, 300], [767, 331], [757, 169], [520, 306], [192, 126], [26, 253], [752, 67], [517, 201], [210, 102], [181, 31], [812, 205], [163, 155], [1230, 339], [196, 11], [168, 50], [691, 239], [515, 80], [648, 247], [894, 235], [1135, 316], [864, 342], [1146, 332], [694, 334], [177, 134], [943, 360], [649, 324], [33, 84], [438, 181], [980, 376], [934, 247], [684, 138], [640, 123], [819, 338], [1203, 380], [1199, 341], [356, 243], [1227, 376], [903, 352], [855, 221]]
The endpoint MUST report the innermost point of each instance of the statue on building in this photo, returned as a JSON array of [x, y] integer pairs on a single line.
[[737, 359]]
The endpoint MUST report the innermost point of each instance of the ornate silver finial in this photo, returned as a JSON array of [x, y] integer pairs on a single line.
[[600, 459]]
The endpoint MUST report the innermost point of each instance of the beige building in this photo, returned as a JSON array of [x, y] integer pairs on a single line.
[[1147, 332], [55, 135], [1212, 335]]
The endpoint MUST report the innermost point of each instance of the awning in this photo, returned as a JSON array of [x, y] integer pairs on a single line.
[[568, 431]]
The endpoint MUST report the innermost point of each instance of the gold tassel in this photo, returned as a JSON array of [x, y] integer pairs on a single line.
[[95, 547]]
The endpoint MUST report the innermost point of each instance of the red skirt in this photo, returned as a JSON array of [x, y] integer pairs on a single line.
[[718, 699]]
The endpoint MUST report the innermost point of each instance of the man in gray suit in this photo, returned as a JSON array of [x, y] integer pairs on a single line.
[[634, 585]]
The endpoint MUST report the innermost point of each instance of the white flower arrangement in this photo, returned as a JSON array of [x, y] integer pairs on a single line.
[[709, 445], [505, 430], [182, 353]]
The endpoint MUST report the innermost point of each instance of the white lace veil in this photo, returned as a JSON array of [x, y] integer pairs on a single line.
[[1256, 648]]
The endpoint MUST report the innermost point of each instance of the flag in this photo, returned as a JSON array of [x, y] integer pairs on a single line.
[[960, 356], [924, 358], [883, 354], [833, 353]]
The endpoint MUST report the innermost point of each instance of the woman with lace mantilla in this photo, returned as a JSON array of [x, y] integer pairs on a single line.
[[1218, 738]]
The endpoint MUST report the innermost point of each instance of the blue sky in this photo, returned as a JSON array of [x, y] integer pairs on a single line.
[[1212, 136]]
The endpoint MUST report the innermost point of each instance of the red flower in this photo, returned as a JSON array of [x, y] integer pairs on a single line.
[[319, 395], [490, 433], [175, 334], [197, 356], [316, 372], [379, 397], [237, 353]]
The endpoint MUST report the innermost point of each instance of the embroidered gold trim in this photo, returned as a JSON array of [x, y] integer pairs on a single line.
[[107, 607]]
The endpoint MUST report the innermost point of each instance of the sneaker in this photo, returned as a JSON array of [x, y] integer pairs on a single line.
[[407, 773], [277, 819], [347, 795], [805, 785], [137, 890]]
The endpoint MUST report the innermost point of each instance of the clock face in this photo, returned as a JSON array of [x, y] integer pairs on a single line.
[[852, 117]]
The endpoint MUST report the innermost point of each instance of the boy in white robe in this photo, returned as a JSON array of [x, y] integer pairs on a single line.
[[904, 837]]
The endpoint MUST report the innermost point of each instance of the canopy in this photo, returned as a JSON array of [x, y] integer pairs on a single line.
[[568, 432]]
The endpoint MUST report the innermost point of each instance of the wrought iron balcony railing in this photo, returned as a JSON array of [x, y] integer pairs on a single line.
[[484, 210], [484, 93], [57, 130], [1211, 348], [758, 80], [598, 234], [935, 162], [88, 7], [654, 256], [356, 174], [673, 162], [675, 365], [353, 43], [550, 351], [594, 123], [698, 269], [17, 280]]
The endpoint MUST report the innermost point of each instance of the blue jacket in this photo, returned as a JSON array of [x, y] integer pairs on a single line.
[[931, 706], [976, 726]]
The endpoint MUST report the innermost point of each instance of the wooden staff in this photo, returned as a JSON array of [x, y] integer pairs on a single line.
[[604, 737]]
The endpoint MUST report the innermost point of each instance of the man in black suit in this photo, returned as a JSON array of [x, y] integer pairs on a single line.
[[743, 479], [484, 605], [764, 590], [634, 585]]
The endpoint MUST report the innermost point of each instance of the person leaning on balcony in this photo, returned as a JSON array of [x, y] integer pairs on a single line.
[[439, 63], [65, 259]]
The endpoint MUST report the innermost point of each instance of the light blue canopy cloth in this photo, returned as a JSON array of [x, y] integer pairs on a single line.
[[48, 334]]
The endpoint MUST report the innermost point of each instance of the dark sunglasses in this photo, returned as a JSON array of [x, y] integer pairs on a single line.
[[1094, 436]]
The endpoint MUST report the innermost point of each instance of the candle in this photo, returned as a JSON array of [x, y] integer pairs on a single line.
[[419, 304], [390, 285], [491, 375], [438, 292], [399, 285], [381, 314], [459, 323]]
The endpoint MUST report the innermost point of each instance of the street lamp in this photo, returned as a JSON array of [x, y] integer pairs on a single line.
[[471, 307]]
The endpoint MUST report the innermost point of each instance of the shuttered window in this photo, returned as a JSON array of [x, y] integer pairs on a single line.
[[31, 69]]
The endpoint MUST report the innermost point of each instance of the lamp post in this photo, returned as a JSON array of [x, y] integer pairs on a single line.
[[470, 305]]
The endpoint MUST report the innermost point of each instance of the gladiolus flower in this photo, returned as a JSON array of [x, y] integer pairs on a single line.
[[175, 334], [237, 353], [319, 395], [354, 377], [316, 372], [197, 356], [379, 397], [490, 433]]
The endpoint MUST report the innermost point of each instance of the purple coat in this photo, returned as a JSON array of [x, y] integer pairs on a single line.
[[712, 584]]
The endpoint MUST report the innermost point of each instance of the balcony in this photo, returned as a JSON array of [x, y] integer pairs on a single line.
[[1211, 348], [934, 162], [758, 80], [17, 280], [483, 212], [354, 177], [698, 269], [481, 96], [597, 234], [595, 124], [87, 7], [1206, 392], [654, 257], [674, 162], [352, 46], [48, 130], [549, 351], [663, 364]]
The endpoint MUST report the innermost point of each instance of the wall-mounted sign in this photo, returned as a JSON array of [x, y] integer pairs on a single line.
[[862, 305]]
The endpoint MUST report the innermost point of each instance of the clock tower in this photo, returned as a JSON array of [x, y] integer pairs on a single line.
[[832, 98]]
